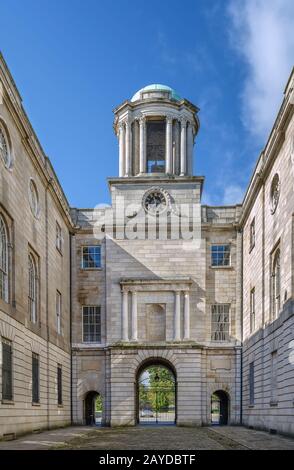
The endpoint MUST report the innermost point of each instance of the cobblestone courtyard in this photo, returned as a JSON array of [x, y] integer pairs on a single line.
[[152, 438]]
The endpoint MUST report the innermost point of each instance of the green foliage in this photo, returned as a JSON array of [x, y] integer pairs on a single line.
[[157, 392], [98, 403]]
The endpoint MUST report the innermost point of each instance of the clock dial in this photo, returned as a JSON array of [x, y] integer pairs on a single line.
[[155, 202]]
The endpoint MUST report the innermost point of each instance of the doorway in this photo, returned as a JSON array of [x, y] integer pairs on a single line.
[[93, 409], [219, 408]]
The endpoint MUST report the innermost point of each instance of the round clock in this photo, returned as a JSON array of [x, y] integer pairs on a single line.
[[155, 201]]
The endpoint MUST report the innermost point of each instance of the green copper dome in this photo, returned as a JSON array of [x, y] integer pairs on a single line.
[[157, 87]]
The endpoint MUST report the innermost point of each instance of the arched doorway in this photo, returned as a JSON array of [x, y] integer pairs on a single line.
[[219, 408], [156, 394], [93, 409]]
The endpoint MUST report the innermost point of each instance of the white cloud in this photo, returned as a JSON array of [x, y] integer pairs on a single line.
[[262, 32], [233, 194]]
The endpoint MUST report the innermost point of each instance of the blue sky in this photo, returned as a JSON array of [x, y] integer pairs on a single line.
[[75, 60]]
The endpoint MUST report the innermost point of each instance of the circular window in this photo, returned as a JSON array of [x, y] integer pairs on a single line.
[[34, 198], [155, 201], [275, 192], [4, 147]]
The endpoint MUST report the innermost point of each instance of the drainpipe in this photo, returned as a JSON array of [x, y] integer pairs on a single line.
[[241, 356], [70, 328]]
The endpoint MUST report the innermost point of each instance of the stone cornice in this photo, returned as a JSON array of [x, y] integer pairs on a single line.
[[41, 162]]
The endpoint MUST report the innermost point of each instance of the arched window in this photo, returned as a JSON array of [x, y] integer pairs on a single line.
[[5, 152], [3, 261], [276, 283], [34, 198], [33, 290]]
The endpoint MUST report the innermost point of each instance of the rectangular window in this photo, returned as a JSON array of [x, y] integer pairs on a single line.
[[251, 383], [58, 312], [35, 379], [220, 322], [252, 310], [59, 384], [274, 377], [7, 393], [58, 237], [155, 146], [220, 255], [91, 257], [91, 324], [252, 234]]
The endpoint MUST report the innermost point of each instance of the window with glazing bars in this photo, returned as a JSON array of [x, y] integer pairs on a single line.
[[91, 324], [220, 322], [220, 255], [59, 385], [7, 392], [35, 378], [91, 257], [3, 261]]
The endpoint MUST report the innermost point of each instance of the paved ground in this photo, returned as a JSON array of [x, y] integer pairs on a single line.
[[151, 438]]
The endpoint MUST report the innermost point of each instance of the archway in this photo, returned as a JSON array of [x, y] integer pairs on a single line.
[[219, 408], [93, 409], [156, 394]]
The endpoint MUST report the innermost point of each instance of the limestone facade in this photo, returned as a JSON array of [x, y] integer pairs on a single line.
[[153, 297]]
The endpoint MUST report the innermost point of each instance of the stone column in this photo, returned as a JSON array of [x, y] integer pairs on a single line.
[[134, 316], [125, 315], [169, 145], [186, 315], [128, 148], [121, 150], [183, 146], [142, 124], [177, 324], [190, 149]]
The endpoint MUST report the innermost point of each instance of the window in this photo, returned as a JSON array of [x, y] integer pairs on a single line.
[[58, 237], [252, 234], [276, 283], [220, 255], [252, 310], [33, 288], [274, 374], [35, 379], [34, 198], [7, 393], [275, 192], [91, 324], [5, 153], [156, 146], [58, 312], [91, 258], [251, 383], [3, 261], [220, 322], [59, 384]]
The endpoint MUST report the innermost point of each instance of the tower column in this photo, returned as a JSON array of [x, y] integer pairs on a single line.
[[125, 315], [142, 124], [169, 147], [177, 319], [183, 146], [134, 316], [187, 315], [190, 149], [128, 148], [121, 150]]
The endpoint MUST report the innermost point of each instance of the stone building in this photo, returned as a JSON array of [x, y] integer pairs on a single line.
[[93, 299]]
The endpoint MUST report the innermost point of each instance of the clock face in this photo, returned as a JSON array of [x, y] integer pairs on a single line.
[[155, 202]]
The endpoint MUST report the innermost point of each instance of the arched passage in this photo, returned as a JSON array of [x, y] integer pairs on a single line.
[[220, 407], [156, 395], [93, 408]]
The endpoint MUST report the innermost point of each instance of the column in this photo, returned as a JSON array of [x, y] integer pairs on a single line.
[[125, 315], [121, 150], [134, 316], [186, 315], [183, 147], [169, 145], [128, 148], [142, 145], [190, 149], [177, 324]]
